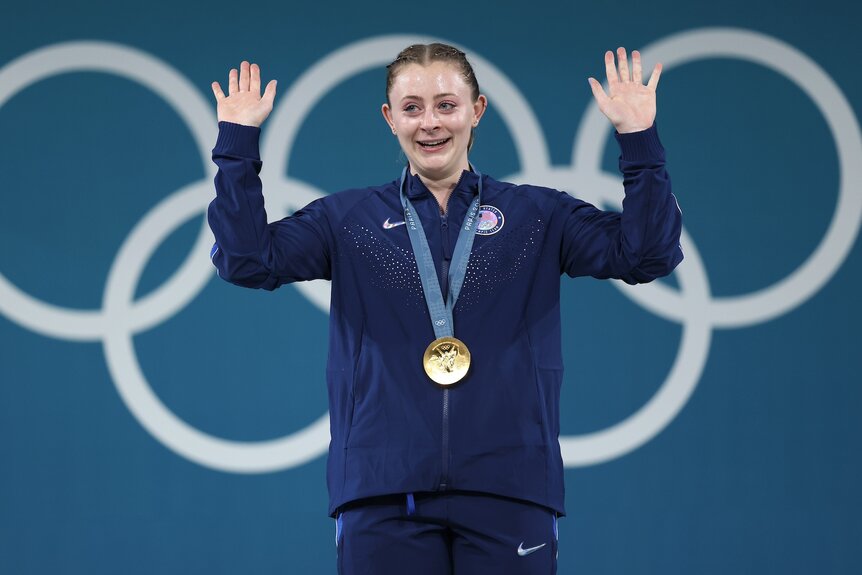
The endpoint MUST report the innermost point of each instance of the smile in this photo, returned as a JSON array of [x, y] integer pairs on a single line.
[[434, 144]]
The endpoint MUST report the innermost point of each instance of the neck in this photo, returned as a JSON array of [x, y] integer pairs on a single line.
[[440, 188]]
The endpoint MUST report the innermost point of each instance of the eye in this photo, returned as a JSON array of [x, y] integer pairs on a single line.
[[446, 106], [411, 108]]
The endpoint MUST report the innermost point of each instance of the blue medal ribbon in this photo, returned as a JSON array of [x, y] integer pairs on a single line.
[[441, 313]]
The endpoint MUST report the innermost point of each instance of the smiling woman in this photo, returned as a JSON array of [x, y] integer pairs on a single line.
[[444, 453], [437, 107]]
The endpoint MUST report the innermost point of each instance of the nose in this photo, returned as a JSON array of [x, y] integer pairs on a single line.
[[429, 121]]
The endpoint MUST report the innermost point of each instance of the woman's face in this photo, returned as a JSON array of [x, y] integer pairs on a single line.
[[432, 113]]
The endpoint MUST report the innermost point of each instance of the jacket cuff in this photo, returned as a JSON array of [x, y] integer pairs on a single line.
[[238, 140], [639, 146]]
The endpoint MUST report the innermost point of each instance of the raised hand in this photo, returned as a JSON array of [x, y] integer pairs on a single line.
[[629, 105], [244, 104]]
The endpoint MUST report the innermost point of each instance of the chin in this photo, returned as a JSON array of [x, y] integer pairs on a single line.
[[428, 163], [433, 170], [436, 167]]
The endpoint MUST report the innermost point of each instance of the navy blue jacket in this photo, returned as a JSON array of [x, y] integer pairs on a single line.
[[392, 429]]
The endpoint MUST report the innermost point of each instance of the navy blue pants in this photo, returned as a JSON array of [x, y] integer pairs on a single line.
[[448, 533]]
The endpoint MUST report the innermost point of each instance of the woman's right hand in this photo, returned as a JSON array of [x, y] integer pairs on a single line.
[[244, 104]]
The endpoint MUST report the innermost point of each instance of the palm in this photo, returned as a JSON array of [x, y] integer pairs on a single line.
[[244, 104], [629, 104]]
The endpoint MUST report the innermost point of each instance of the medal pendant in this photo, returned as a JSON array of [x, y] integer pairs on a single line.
[[446, 360]]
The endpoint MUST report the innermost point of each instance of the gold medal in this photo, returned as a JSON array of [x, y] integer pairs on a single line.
[[446, 360]]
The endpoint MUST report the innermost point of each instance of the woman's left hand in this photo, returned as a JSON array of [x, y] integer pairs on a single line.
[[629, 105]]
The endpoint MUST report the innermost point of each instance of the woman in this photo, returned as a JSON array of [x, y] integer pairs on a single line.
[[444, 365]]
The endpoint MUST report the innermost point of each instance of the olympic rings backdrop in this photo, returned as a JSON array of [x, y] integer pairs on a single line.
[[154, 419]]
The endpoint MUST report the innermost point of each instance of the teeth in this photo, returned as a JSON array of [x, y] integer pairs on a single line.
[[436, 143]]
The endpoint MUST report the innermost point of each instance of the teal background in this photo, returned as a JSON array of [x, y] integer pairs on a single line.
[[759, 472]]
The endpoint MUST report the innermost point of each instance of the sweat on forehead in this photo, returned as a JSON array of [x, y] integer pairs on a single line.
[[425, 54], [433, 81]]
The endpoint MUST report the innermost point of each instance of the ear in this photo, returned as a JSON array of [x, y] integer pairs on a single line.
[[387, 115], [479, 107]]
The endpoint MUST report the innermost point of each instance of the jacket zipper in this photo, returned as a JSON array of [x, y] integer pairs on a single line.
[[444, 265]]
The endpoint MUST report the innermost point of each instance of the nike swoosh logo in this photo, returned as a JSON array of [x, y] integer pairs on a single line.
[[387, 225], [527, 551]]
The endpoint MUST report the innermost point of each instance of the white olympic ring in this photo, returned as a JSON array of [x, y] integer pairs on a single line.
[[694, 307], [821, 265], [181, 288]]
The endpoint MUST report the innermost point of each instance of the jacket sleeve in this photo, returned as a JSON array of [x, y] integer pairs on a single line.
[[248, 251], [639, 244]]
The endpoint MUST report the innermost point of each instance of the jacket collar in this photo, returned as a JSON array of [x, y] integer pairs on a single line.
[[468, 183]]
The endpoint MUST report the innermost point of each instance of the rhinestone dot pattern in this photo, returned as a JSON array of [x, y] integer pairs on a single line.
[[499, 261], [393, 267], [493, 264]]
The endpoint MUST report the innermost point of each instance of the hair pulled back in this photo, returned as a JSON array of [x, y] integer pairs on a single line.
[[424, 54]]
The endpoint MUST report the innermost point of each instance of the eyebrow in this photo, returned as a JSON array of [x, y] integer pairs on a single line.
[[438, 96]]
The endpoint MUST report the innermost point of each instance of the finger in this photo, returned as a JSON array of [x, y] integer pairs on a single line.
[[653, 79], [623, 65], [611, 70], [255, 79], [269, 93], [243, 77], [598, 91], [217, 91], [637, 73], [232, 86]]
